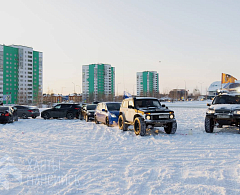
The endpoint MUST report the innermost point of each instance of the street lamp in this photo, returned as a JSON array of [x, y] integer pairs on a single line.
[[79, 88], [201, 86], [74, 86], [117, 88]]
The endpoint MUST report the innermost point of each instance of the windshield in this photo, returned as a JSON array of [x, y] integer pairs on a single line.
[[113, 106], [145, 103], [91, 107], [3, 108], [225, 99]]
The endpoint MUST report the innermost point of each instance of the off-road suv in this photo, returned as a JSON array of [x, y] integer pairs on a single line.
[[144, 111], [224, 110]]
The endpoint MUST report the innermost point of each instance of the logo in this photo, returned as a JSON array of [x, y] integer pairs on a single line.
[[7, 168]]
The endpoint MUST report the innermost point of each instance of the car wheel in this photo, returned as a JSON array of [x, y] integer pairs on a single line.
[[95, 120], [34, 117], [209, 125], [86, 119], [80, 117], [24, 116], [121, 123], [139, 126], [171, 128], [46, 115], [70, 116], [107, 121], [10, 119]]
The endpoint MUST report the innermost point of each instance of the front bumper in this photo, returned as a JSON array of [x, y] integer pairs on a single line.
[[159, 123], [227, 119]]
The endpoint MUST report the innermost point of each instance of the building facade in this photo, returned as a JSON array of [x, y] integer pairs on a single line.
[[98, 82], [20, 75], [148, 84]]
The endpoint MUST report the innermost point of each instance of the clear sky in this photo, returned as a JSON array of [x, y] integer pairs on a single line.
[[195, 40]]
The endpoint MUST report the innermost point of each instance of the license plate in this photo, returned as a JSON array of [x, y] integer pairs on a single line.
[[163, 116], [223, 116]]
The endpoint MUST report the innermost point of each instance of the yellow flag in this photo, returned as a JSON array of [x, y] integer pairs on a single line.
[[227, 78]]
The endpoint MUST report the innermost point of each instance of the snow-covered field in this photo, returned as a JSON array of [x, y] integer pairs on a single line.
[[74, 157]]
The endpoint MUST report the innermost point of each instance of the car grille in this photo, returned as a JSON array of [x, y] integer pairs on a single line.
[[160, 117], [222, 111]]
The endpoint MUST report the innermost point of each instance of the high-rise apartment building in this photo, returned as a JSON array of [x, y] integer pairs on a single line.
[[148, 84], [20, 75], [98, 82]]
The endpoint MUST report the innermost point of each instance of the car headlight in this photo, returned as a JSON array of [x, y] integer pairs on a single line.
[[236, 112], [210, 111], [113, 115], [148, 117], [171, 116]]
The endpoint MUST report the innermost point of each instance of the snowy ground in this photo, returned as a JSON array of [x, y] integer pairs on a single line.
[[74, 157]]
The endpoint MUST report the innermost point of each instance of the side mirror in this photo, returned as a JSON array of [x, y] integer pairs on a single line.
[[163, 105], [208, 104]]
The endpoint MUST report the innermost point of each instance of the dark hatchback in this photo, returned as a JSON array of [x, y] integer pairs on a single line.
[[87, 112], [70, 111], [27, 111], [8, 114]]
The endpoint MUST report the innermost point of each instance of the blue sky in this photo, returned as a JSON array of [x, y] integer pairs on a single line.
[[194, 40]]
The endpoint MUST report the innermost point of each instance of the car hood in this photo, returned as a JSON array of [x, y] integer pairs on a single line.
[[116, 112], [225, 107], [154, 110]]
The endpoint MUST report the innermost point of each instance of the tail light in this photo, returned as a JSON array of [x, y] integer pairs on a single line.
[[7, 114], [30, 111], [77, 108]]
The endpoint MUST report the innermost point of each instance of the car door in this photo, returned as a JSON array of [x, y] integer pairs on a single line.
[[19, 110], [55, 112], [130, 111], [97, 113]]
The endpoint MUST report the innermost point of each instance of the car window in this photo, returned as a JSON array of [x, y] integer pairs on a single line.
[[4, 108], [225, 99], [91, 107], [113, 106], [145, 103], [58, 107], [130, 103], [66, 106]]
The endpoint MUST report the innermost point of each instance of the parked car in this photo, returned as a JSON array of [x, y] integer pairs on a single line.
[[146, 111], [224, 110], [27, 111], [107, 113], [70, 111], [8, 114], [87, 112]]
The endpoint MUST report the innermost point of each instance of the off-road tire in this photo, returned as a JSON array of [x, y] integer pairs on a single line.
[[139, 126], [86, 118], [46, 115], [70, 116], [24, 116], [95, 120], [171, 128], [107, 121], [121, 123], [80, 117], [209, 125]]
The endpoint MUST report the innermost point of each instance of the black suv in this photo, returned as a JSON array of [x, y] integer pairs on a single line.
[[143, 111], [87, 112], [69, 111], [225, 110]]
